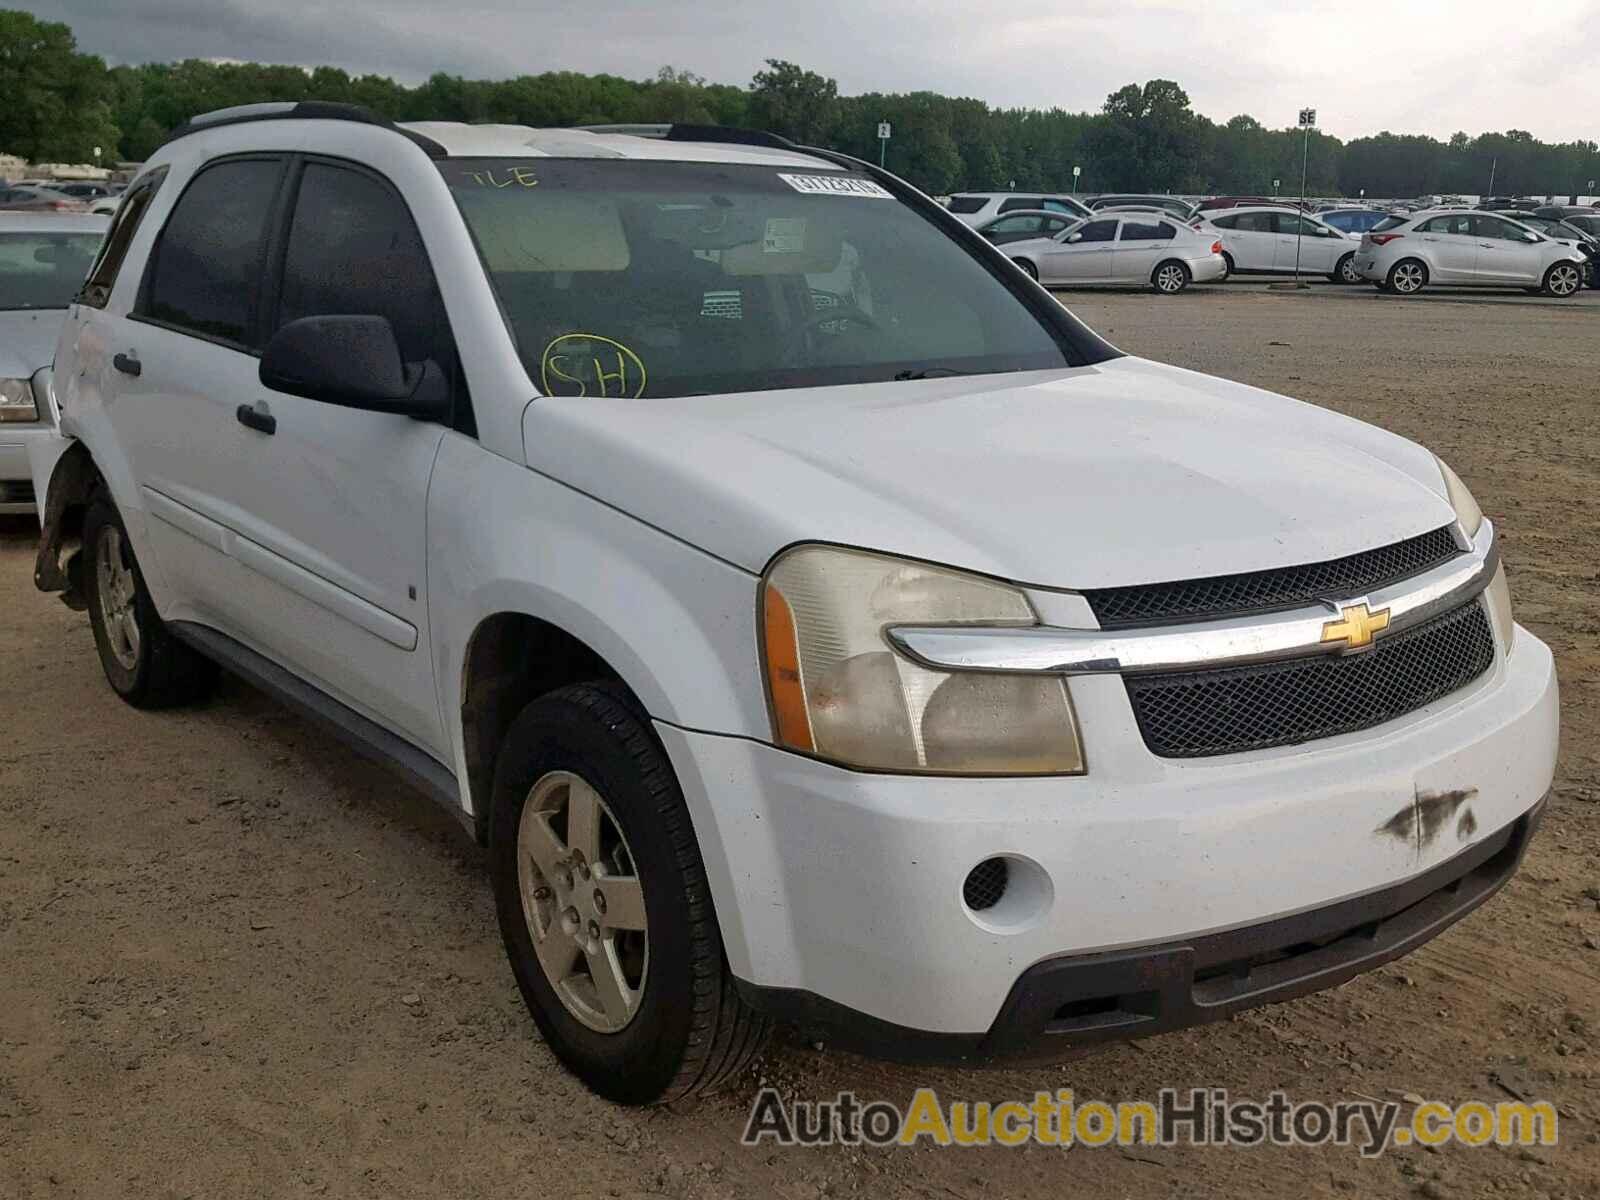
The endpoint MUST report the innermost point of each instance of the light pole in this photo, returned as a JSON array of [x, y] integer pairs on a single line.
[[1308, 121]]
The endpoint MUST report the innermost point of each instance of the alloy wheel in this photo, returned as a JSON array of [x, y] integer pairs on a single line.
[[1409, 277], [583, 901], [117, 587], [1347, 270], [1170, 279], [1565, 279]]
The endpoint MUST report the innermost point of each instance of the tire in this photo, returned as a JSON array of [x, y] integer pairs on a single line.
[[1032, 271], [1408, 276], [145, 665], [1170, 277], [1227, 263], [679, 1025], [1563, 280], [1345, 270]]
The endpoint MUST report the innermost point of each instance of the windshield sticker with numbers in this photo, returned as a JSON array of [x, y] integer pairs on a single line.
[[835, 185]]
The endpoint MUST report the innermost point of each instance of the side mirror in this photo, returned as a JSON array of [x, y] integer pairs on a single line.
[[1073, 238], [1531, 237], [354, 362]]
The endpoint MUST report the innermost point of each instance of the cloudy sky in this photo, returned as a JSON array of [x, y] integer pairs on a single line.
[[1425, 66]]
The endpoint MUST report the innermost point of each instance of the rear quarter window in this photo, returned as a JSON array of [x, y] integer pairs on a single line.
[[967, 204]]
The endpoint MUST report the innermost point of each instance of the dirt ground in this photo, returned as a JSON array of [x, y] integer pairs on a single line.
[[235, 960]]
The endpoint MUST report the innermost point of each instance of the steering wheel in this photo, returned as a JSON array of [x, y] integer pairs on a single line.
[[842, 311]]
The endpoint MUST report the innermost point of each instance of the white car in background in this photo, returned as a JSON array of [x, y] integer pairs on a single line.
[[1466, 248], [1267, 240], [974, 208], [43, 259], [1137, 249]]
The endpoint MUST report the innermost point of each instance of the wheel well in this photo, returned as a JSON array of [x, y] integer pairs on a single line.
[[72, 485], [511, 660]]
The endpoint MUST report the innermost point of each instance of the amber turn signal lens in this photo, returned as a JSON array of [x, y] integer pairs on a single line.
[[793, 725]]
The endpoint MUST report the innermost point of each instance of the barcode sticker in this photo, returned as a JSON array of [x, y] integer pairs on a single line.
[[835, 185]]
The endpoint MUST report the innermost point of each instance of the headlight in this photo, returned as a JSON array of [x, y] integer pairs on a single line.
[[16, 401], [837, 691], [1467, 510]]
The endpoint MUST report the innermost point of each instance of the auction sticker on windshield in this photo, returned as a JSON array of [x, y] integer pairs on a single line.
[[835, 185]]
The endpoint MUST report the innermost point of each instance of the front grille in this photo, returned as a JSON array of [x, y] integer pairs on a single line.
[[1262, 591], [16, 491], [1232, 709]]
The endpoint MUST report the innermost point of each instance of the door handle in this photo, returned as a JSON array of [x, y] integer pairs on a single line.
[[126, 363], [257, 418]]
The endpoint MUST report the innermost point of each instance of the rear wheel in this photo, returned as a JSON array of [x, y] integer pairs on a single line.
[[1346, 271], [1227, 266], [1033, 272], [143, 662], [1170, 278], [1563, 279], [604, 905], [1408, 276]]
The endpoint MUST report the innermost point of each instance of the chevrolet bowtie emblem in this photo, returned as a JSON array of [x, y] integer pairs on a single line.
[[1355, 626]]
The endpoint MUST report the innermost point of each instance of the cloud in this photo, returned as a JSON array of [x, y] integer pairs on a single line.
[[1427, 66]]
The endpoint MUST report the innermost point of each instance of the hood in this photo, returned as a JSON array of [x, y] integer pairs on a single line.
[[28, 340], [1120, 473]]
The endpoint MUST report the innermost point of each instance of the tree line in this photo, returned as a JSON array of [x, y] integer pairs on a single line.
[[60, 103]]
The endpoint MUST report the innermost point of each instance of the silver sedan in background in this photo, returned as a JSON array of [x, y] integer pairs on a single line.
[[1132, 249]]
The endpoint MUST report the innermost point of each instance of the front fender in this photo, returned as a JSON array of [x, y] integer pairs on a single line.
[[677, 625]]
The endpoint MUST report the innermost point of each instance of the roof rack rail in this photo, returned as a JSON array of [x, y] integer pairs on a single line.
[[680, 132], [299, 110]]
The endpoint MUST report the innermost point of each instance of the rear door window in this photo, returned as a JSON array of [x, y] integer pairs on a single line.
[[1142, 231], [102, 275], [205, 274], [967, 204], [1098, 231], [1017, 202]]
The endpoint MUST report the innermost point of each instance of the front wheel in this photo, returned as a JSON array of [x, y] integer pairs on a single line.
[[1408, 277], [1031, 270], [604, 905], [1563, 279], [1170, 277], [1346, 271], [144, 664]]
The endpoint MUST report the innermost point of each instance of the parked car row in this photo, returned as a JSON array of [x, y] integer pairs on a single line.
[[1165, 243]]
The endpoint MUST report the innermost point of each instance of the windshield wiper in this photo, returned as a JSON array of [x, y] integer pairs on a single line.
[[925, 373]]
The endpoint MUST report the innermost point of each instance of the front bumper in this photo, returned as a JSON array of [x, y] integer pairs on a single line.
[[839, 893]]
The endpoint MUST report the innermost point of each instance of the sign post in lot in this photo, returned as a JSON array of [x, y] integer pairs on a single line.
[[1078, 171], [1308, 121], [883, 140]]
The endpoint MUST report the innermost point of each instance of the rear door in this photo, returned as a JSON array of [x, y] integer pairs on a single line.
[[1251, 238], [180, 363], [1015, 229], [1505, 255], [1297, 235], [1451, 247], [1087, 259], [1141, 243]]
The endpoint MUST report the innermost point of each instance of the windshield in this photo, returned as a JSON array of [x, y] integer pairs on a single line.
[[630, 278], [44, 270]]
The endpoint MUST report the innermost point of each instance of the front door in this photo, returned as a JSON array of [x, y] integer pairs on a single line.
[[1505, 255], [1086, 259]]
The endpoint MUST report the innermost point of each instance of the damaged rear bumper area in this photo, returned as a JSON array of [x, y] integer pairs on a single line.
[[1064, 1004]]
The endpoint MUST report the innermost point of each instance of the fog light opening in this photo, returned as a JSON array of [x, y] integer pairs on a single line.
[[986, 884], [1007, 893]]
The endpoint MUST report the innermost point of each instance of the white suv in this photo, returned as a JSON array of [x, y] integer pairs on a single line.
[[816, 621]]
